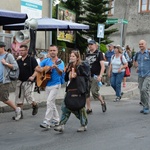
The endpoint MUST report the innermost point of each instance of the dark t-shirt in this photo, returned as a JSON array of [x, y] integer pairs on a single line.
[[26, 67], [94, 61]]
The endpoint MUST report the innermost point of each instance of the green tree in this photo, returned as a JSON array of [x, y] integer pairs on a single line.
[[90, 12], [96, 12]]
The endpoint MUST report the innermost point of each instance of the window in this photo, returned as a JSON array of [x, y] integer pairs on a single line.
[[144, 5], [110, 5]]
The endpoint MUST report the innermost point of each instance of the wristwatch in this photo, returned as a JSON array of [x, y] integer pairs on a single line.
[[6, 63]]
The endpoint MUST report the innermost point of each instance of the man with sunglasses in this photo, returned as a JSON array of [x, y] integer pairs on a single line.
[[26, 81], [52, 87], [96, 61]]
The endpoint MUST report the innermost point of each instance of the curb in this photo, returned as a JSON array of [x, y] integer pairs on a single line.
[[130, 91]]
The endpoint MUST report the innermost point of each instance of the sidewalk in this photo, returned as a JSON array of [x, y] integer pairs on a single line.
[[106, 91]]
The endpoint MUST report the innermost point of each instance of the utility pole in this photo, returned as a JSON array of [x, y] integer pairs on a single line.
[[126, 16]]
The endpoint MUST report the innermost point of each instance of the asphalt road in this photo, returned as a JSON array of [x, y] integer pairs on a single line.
[[122, 127]]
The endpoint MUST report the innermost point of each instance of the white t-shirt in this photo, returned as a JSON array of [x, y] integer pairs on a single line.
[[117, 63]]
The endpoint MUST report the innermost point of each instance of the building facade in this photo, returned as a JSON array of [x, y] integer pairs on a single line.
[[15, 5], [137, 12]]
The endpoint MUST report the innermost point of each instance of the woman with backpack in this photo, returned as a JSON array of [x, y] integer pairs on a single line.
[[75, 98], [117, 70]]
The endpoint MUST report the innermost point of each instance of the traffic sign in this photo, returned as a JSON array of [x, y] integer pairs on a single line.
[[100, 30], [116, 20]]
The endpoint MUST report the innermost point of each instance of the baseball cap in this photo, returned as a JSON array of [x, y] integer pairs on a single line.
[[92, 42], [2, 44]]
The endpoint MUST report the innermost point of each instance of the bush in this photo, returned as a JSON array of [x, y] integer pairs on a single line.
[[103, 48]]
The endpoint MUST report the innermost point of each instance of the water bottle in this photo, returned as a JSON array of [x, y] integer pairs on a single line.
[[99, 83]]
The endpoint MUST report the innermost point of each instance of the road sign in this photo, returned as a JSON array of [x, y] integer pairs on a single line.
[[125, 21], [100, 30], [116, 20]]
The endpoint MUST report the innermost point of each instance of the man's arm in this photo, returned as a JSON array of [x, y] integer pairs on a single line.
[[102, 70]]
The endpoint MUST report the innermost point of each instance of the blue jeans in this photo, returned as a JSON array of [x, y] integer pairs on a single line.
[[116, 79]]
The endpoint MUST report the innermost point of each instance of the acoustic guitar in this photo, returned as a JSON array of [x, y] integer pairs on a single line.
[[43, 77]]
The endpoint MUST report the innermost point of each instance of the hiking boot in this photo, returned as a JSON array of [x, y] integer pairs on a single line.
[[45, 125], [82, 129], [59, 128], [35, 109], [88, 111], [18, 113], [54, 124], [13, 118], [104, 108]]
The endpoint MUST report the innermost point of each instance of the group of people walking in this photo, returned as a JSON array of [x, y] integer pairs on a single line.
[[74, 74]]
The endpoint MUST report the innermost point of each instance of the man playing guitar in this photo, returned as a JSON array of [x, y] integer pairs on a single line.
[[52, 86]]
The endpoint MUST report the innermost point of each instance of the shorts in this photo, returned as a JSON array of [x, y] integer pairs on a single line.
[[24, 90], [4, 92], [94, 88]]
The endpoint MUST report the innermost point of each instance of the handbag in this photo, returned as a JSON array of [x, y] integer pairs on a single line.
[[127, 72], [75, 101]]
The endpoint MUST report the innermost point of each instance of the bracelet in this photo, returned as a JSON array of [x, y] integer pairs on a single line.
[[6, 64]]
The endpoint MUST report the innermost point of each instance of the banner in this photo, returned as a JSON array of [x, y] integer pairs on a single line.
[[67, 15], [32, 7]]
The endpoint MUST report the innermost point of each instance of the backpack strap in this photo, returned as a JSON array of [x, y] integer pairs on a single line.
[[136, 56], [6, 56], [120, 58]]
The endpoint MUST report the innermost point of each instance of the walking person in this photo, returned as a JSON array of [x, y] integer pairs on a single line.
[[142, 64], [96, 60], [127, 54], [116, 71], [5, 65], [73, 71], [53, 85], [26, 81], [108, 56]]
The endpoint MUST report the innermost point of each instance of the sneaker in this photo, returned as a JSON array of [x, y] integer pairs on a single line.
[[117, 99], [54, 123], [18, 113], [146, 111], [107, 84], [104, 108], [35, 109], [13, 118], [59, 128], [45, 125], [82, 129], [88, 111]]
